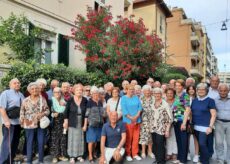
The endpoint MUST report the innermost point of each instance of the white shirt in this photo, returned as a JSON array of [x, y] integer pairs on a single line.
[[112, 106], [213, 93]]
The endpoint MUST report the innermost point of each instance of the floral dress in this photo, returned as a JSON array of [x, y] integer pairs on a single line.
[[147, 112]]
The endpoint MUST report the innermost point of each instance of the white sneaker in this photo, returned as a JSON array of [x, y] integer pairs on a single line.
[[188, 157], [176, 161], [196, 158], [143, 155], [151, 155], [128, 158], [137, 157]]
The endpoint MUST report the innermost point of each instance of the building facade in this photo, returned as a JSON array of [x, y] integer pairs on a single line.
[[214, 65], [56, 18], [185, 43], [224, 77], [154, 14]]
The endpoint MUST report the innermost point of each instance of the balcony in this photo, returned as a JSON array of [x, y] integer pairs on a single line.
[[196, 71], [194, 55], [187, 21], [195, 40]]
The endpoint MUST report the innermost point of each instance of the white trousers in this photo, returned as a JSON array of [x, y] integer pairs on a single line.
[[109, 153]]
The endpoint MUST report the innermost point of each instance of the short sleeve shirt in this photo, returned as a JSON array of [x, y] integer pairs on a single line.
[[179, 105], [113, 135]]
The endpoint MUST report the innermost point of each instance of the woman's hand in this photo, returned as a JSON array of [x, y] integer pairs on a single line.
[[55, 114], [208, 131], [40, 115], [167, 134], [65, 125], [183, 127], [84, 128]]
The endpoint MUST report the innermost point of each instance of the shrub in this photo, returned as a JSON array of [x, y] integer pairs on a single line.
[[29, 72], [168, 77], [119, 50]]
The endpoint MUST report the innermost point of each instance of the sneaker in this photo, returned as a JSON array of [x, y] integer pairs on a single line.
[[129, 158], [137, 157], [151, 155], [143, 155], [196, 158], [55, 160], [72, 161], [175, 161], [188, 157], [220, 161], [63, 159]]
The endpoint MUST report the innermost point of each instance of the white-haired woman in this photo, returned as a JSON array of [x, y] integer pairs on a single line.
[[203, 117], [58, 138], [160, 125], [74, 119], [32, 110], [42, 84], [147, 102], [94, 119]]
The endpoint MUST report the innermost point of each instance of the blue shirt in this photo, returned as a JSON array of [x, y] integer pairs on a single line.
[[223, 108], [113, 135], [201, 115], [130, 106], [8, 99]]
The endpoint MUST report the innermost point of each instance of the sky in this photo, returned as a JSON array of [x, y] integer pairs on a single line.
[[211, 13]]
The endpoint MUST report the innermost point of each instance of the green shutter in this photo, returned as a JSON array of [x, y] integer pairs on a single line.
[[63, 50]]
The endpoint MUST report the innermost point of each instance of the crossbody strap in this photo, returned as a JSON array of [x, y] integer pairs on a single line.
[[117, 104]]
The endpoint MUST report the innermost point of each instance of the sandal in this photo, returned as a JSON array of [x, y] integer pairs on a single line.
[[80, 159]]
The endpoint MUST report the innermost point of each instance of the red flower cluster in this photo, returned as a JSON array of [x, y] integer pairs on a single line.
[[122, 48]]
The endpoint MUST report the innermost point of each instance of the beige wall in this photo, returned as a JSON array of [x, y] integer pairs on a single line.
[[178, 37], [57, 16]]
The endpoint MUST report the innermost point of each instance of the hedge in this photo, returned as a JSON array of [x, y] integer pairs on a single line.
[[170, 76], [29, 72]]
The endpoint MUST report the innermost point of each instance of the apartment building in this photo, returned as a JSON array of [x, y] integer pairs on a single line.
[[154, 14], [56, 18], [185, 43]]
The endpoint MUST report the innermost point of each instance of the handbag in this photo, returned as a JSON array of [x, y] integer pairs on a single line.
[[190, 128], [14, 112], [44, 121]]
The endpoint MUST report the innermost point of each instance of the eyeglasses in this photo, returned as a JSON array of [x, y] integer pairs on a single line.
[[56, 92], [87, 90]]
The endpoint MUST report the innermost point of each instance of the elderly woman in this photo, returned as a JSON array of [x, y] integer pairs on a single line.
[[33, 109], [114, 103], [58, 138], [181, 112], [94, 117], [203, 117], [147, 102], [160, 125], [42, 84], [131, 109], [73, 121], [102, 96], [138, 90], [171, 145]]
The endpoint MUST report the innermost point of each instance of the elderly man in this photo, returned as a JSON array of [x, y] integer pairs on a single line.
[[65, 89], [10, 102], [190, 81], [222, 131], [213, 89], [112, 139], [54, 83], [172, 83]]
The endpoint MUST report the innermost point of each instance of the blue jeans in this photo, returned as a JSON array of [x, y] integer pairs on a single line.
[[13, 140], [29, 145], [205, 154], [182, 142]]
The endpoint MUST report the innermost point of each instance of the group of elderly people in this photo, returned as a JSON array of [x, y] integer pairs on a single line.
[[160, 118]]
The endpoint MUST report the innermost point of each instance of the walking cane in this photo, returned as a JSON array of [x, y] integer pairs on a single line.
[[9, 144]]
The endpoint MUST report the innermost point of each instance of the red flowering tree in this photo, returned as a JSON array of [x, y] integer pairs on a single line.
[[121, 50]]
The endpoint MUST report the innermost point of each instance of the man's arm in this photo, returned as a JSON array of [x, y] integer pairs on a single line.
[[122, 142], [5, 117]]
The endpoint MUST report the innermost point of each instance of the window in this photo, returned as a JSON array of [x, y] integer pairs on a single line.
[[63, 50], [161, 24], [43, 51], [96, 6]]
